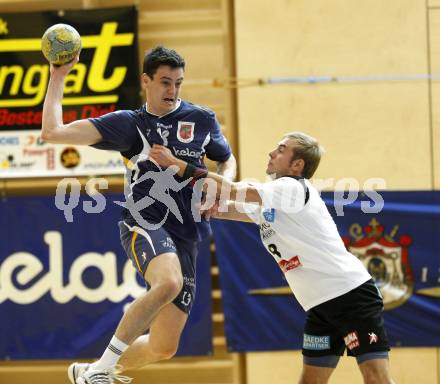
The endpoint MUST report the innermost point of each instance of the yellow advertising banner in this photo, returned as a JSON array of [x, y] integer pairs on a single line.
[[104, 80]]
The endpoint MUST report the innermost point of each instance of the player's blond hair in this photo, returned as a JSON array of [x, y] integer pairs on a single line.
[[306, 148]]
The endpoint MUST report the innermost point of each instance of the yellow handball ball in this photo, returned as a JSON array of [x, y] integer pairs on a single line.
[[60, 44]]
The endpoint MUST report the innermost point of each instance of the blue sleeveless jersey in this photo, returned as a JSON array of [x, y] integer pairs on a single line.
[[156, 197]]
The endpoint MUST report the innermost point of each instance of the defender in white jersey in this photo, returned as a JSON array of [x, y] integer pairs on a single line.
[[304, 241], [342, 303]]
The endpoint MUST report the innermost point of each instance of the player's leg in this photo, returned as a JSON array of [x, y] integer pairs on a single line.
[[322, 347], [160, 267], [163, 339], [364, 333], [164, 276], [318, 370], [161, 342], [375, 368]]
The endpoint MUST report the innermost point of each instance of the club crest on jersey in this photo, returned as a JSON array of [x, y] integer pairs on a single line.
[[185, 131], [385, 258]]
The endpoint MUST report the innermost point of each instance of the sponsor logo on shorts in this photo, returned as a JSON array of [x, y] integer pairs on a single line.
[[287, 265], [189, 281], [373, 337], [316, 343], [168, 243], [351, 340]]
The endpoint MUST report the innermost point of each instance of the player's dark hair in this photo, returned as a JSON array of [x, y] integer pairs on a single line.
[[306, 148], [158, 56]]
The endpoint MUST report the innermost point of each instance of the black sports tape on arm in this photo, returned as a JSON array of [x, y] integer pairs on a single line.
[[194, 172]]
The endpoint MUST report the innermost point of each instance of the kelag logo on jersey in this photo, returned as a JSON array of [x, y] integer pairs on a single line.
[[385, 258], [98, 84]]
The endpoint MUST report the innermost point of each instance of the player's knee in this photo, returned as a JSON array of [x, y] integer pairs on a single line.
[[316, 375], [371, 379], [374, 376], [308, 379], [170, 287], [164, 351]]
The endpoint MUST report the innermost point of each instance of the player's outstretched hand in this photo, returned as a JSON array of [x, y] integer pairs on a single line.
[[210, 212], [212, 207]]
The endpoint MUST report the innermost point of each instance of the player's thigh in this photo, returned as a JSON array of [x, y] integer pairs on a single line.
[[322, 347], [362, 328], [153, 253], [167, 327], [163, 268], [322, 342]]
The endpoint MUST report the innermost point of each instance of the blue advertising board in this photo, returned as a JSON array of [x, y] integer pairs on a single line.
[[64, 285]]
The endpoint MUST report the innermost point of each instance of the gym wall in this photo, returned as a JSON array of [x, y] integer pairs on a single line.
[[369, 128]]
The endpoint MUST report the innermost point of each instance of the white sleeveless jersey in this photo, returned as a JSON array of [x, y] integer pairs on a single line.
[[305, 243]]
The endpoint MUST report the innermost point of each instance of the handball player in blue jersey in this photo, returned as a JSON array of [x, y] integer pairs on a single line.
[[158, 230]]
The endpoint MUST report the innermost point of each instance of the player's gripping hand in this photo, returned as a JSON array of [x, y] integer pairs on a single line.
[[63, 70], [162, 156]]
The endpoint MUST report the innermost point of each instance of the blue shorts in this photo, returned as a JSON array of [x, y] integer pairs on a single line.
[[142, 245]]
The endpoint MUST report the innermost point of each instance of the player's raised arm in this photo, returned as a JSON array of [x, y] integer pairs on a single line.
[[53, 129]]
